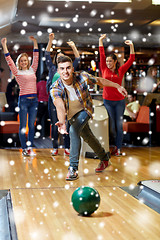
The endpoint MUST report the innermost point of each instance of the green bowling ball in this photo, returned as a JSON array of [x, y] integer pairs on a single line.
[[85, 200]]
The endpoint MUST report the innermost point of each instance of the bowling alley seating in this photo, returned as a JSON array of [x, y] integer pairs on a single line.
[[9, 128], [141, 125]]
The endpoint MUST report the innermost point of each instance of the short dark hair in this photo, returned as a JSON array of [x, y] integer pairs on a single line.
[[133, 94], [62, 59]]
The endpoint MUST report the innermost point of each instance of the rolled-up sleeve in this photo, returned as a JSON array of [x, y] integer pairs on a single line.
[[89, 78], [55, 92]]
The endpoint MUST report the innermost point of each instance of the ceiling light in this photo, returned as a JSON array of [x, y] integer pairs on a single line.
[[156, 23], [112, 21]]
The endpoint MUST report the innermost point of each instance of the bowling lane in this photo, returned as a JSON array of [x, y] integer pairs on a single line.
[[45, 171], [48, 214]]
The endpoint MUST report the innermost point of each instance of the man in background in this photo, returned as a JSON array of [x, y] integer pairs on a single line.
[[132, 108]]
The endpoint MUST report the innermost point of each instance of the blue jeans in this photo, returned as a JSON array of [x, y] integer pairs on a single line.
[[115, 111], [27, 106], [54, 130], [79, 128]]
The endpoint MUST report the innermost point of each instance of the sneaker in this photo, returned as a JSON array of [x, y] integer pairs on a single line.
[[30, 152], [66, 152], [118, 153], [114, 150], [25, 152], [54, 152], [72, 174], [103, 165]]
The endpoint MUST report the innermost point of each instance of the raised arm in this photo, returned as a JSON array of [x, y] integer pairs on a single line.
[[4, 45], [101, 40], [8, 58], [74, 48], [49, 45], [34, 40], [103, 64], [35, 53], [130, 43], [61, 114]]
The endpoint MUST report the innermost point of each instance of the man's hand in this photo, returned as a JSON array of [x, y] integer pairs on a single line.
[[61, 127], [51, 36], [122, 90], [71, 44]]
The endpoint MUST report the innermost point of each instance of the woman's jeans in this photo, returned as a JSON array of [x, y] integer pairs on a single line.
[[27, 106], [79, 128], [54, 131], [115, 111]]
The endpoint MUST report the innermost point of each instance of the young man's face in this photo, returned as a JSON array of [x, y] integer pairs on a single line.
[[130, 98], [66, 72]]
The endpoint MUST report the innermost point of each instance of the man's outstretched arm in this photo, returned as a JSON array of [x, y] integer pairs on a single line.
[[61, 114]]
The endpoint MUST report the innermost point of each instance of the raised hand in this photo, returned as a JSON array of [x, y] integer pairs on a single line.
[[128, 42], [51, 36], [103, 36], [4, 45], [32, 38], [71, 43], [4, 41]]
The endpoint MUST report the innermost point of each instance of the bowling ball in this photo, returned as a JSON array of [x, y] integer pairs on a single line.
[[85, 200]]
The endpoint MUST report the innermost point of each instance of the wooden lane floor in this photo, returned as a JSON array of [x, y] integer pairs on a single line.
[[42, 198], [44, 171], [48, 214]]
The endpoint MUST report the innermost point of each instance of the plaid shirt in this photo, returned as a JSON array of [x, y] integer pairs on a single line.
[[80, 84]]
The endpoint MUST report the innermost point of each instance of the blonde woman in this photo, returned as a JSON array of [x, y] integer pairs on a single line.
[[25, 75]]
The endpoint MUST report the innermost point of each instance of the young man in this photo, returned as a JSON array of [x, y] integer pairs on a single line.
[[71, 97], [132, 108]]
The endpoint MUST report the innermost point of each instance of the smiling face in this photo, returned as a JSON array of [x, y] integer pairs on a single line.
[[65, 69], [111, 63], [23, 63]]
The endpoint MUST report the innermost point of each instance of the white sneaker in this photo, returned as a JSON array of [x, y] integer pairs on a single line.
[[54, 152]]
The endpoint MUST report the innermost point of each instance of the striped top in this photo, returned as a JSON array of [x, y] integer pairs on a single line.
[[80, 84], [26, 79]]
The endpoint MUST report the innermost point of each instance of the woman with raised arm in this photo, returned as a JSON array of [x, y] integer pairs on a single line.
[[113, 100], [53, 76], [25, 75]]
